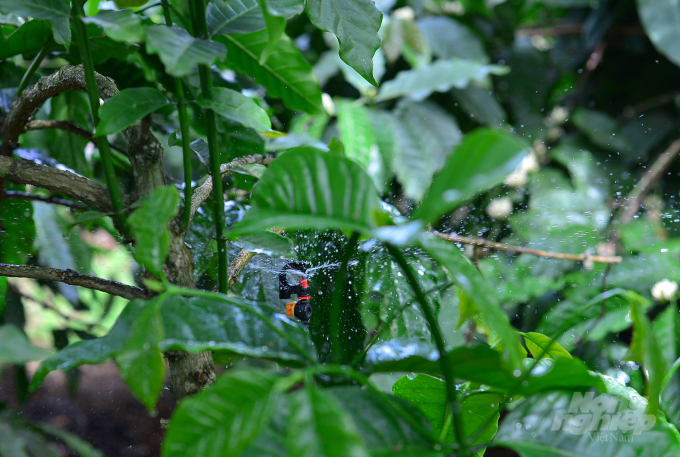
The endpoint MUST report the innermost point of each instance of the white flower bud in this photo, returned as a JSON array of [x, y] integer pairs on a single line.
[[664, 290], [559, 115], [406, 13], [499, 208], [327, 103], [517, 178]]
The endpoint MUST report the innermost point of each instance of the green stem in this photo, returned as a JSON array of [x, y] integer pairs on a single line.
[[447, 369], [102, 142], [336, 303], [34, 67], [184, 129], [200, 30]]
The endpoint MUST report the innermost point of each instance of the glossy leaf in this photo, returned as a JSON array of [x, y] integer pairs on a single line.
[[660, 21], [28, 39], [542, 346], [439, 76], [482, 105], [55, 11], [450, 39], [127, 107], [468, 279], [15, 347], [481, 161], [245, 16], [286, 74], [149, 224], [276, 26], [223, 420], [237, 107], [121, 25], [179, 51], [355, 23], [307, 188], [319, 427]]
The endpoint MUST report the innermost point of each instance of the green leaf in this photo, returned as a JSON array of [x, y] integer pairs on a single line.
[[660, 21], [561, 425], [27, 40], [425, 136], [141, 364], [15, 347], [149, 224], [245, 16], [81, 447], [481, 161], [121, 25], [55, 11], [306, 188], [541, 346], [482, 105], [355, 23], [129, 3], [482, 365], [466, 308], [385, 422], [267, 243], [450, 39], [286, 74], [319, 427], [19, 229], [601, 130], [468, 279], [237, 107], [439, 76], [127, 107], [179, 51], [276, 26], [358, 137], [224, 419], [479, 409], [645, 350]]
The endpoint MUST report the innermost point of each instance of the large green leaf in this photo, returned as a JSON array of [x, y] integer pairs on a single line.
[[450, 39], [195, 324], [237, 107], [601, 130], [55, 11], [319, 427], [561, 425], [223, 420], [127, 107], [306, 188], [382, 428], [468, 279], [359, 138], [179, 51], [479, 410], [245, 16], [15, 347], [660, 20], [482, 105], [482, 160], [149, 224], [19, 229], [27, 40], [355, 23], [121, 25], [286, 74], [425, 136], [482, 365], [439, 76]]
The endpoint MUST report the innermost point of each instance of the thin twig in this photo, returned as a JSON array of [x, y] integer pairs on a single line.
[[520, 250], [648, 181], [75, 279], [648, 104], [54, 200], [69, 127]]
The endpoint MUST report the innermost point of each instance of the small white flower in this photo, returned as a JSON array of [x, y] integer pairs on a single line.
[[499, 208], [406, 13], [517, 178], [328, 104], [664, 290], [520, 176], [559, 115]]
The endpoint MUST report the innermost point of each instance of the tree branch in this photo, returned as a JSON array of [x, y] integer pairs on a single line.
[[75, 279], [57, 201], [22, 171], [202, 192], [69, 127], [520, 250]]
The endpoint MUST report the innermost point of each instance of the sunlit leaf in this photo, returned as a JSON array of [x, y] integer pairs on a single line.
[[542, 346], [121, 25]]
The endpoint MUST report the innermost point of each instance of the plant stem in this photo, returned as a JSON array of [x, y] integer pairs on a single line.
[[26, 79], [184, 129], [336, 303], [102, 142], [447, 369], [200, 30]]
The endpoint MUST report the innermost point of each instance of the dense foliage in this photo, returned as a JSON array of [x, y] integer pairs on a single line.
[[483, 192]]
